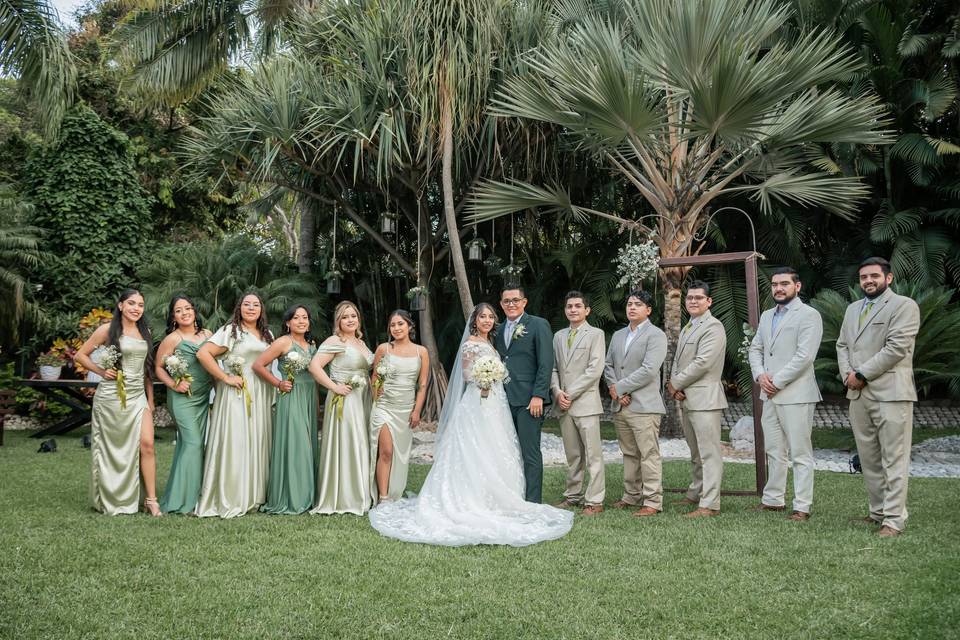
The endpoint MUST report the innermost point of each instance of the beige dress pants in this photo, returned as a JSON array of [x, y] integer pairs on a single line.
[[786, 435], [581, 443], [638, 434], [884, 431], [702, 430]]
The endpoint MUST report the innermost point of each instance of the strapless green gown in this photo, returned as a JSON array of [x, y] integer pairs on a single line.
[[292, 485], [115, 435], [191, 413]]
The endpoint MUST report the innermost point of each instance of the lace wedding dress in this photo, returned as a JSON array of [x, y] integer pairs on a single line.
[[474, 491]]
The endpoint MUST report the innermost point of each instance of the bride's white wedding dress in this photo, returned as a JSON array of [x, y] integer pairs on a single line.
[[474, 491]]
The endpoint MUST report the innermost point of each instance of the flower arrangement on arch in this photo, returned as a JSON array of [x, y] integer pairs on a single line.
[[637, 262]]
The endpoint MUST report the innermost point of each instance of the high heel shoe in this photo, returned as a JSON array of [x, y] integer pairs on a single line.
[[152, 506]]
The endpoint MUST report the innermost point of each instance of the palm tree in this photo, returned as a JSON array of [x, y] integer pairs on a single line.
[[19, 254], [33, 48], [691, 101]]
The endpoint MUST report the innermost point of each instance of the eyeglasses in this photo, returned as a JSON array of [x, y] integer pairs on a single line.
[[696, 298], [512, 302]]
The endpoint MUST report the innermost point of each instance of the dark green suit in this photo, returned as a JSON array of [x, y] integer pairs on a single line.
[[530, 363]]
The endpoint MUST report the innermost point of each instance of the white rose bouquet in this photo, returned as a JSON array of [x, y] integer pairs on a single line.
[[486, 371], [109, 358], [356, 381], [178, 370], [234, 365], [384, 370], [293, 363]]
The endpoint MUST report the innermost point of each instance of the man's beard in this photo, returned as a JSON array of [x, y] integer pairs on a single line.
[[880, 289], [788, 298]]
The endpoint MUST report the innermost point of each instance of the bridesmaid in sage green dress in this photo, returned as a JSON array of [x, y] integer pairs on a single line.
[[293, 461], [343, 477], [189, 400], [121, 422], [237, 456], [400, 370]]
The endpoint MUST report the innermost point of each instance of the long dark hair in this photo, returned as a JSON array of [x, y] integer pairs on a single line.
[[237, 321], [288, 316], [472, 322], [406, 317], [172, 322], [116, 330]]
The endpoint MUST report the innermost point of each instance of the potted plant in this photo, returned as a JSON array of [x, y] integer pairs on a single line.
[[418, 298], [493, 264], [50, 365]]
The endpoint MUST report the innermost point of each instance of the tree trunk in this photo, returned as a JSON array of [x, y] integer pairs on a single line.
[[671, 326], [308, 233], [449, 212], [437, 383]]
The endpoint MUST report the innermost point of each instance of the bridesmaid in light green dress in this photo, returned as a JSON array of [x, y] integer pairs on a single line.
[[121, 423], [343, 477], [400, 370], [189, 401], [293, 461], [237, 456]]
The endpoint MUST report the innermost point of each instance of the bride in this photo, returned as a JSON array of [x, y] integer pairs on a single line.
[[474, 491]]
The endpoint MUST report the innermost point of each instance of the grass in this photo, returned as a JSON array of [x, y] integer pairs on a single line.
[[66, 571], [822, 438]]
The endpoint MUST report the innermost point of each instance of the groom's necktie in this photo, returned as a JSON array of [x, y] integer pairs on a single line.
[[864, 313], [570, 337], [508, 336]]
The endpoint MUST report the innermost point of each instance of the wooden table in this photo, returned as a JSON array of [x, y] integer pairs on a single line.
[[69, 393]]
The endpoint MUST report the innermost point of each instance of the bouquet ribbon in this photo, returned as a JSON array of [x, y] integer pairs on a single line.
[[187, 378], [248, 400], [121, 389]]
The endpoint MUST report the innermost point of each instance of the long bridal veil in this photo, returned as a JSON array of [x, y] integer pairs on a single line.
[[474, 491]]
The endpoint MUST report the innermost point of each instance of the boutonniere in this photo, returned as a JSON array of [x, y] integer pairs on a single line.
[[519, 331]]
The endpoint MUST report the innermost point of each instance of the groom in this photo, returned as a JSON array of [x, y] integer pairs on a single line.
[[525, 344]]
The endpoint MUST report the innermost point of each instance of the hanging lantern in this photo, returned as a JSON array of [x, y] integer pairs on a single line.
[[418, 298], [388, 223], [334, 278], [475, 250]]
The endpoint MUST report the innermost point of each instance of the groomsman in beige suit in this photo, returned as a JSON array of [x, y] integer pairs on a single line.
[[875, 353], [781, 360], [632, 374], [695, 383], [575, 386]]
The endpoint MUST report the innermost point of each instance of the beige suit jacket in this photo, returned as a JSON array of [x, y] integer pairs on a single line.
[[637, 371], [577, 370], [788, 353], [882, 349], [698, 365]]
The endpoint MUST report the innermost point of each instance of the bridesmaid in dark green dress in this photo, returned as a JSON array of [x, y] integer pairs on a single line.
[[291, 488], [189, 399]]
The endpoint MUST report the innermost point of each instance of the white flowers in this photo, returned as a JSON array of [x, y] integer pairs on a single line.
[[357, 381], [109, 358], [178, 369], [234, 365], [293, 363], [743, 351], [637, 262], [384, 370], [519, 331], [486, 371]]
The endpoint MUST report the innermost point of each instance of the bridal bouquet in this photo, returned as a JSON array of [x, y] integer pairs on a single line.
[[294, 363], [178, 370], [486, 371], [109, 358], [356, 381], [383, 372], [234, 365]]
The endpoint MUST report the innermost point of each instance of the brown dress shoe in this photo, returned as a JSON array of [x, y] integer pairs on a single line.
[[644, 512], [620, 504], [686, 501], [702, 513], [592, 510], [767, 507], [566, 504], [865, 520], [799, 516], [888, 532]]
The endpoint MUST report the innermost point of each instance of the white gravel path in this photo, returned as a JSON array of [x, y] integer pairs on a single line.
[[934, 458]]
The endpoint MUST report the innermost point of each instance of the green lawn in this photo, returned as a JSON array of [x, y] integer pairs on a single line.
[[67, 572]]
